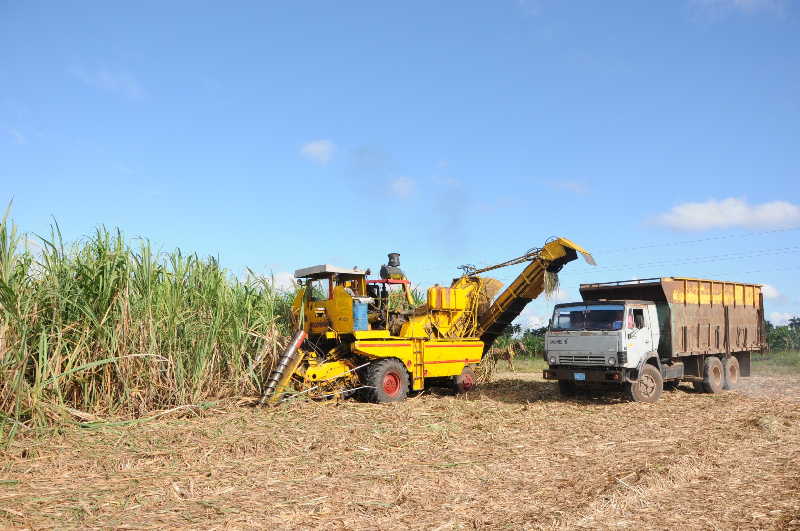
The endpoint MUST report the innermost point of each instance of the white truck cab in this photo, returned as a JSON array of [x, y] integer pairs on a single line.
[[609, 334]]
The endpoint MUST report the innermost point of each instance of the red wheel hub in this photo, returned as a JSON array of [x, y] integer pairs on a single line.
[[467, 382], [391, 384]]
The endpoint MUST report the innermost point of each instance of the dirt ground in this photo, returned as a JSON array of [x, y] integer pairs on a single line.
[[512, 455]]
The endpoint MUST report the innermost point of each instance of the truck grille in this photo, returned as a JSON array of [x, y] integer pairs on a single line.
[[581, 359]]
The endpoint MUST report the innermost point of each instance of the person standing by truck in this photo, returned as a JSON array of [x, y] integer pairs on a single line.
[[676, 329]]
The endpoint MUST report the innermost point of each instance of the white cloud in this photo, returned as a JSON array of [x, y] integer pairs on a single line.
[[283, 280], [576, 187], [562, 296], [741, 6], [319, 151], [402, 187], [781, 318], [120, 82], [770, 292], [529, 318], [730, 213]]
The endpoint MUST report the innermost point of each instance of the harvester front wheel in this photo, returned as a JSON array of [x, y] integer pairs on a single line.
[[387, 381], [465, 381]]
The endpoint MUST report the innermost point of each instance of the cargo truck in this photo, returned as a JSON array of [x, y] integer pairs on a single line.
[[645, 334]]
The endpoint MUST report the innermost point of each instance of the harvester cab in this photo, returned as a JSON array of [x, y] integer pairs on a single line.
[[331, 300], [334, 301], [368, 335]]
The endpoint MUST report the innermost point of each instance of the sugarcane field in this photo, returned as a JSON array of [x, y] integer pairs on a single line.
[[524, 264]]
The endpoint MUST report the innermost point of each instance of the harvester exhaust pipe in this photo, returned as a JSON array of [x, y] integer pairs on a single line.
[[286, 366]]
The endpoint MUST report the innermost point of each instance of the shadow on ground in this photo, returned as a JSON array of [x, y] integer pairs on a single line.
[[521, 389]]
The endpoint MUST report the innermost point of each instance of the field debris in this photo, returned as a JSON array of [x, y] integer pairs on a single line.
[[510, 455]]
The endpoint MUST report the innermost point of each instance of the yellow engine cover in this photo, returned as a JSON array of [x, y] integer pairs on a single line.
[[441, 298]]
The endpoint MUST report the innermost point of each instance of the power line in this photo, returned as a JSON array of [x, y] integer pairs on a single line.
[[664, 244], [692, 242], [703, 259]]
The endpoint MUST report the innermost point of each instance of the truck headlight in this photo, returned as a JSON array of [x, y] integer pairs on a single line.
[[553, 360], [612, 361]]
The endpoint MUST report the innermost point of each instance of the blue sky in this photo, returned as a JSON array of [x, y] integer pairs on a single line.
[[663, 136]]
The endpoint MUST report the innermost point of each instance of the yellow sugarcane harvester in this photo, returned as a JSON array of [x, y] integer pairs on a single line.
[[365, 335]]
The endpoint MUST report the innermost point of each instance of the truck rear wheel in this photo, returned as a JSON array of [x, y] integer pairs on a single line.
[[731, 369], [713, 375], [464, 381], [387, 380], [648, 387]]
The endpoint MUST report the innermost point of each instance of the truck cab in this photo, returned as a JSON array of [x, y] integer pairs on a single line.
[[611, 338]]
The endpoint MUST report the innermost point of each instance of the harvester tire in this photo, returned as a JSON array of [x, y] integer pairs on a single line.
[[648, 387], [387, 381], [731, 369], [464, 381], [713, 375]]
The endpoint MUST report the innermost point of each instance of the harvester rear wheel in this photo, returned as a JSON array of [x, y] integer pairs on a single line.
[[464, 381], [387, 380], [731, 369], [713, 375]]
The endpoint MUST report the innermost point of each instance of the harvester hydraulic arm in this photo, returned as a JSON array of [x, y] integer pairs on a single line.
[[545, 262]]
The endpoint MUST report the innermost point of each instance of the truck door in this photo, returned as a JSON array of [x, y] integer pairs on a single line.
[[638, 333]]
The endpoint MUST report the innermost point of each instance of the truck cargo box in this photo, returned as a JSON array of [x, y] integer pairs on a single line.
[[695, 316]]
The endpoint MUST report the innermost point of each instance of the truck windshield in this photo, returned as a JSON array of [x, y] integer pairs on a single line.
[[589, 317]]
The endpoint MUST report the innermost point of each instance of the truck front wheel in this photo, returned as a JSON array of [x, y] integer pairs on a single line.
[[648, 387]]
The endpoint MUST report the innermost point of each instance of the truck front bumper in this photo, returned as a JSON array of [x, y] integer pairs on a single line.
[[590, 374]]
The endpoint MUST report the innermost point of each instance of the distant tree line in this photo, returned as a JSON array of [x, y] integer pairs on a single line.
[[532, 339], [786, 337]]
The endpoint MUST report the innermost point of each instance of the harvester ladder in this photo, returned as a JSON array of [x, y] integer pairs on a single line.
[[418, 371]]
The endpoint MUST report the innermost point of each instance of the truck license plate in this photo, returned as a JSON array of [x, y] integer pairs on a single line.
[[580, 376]]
